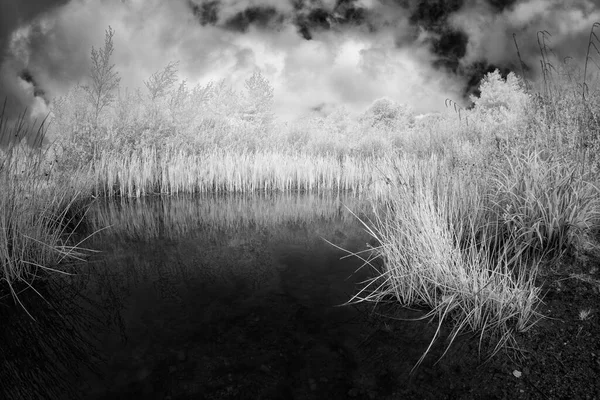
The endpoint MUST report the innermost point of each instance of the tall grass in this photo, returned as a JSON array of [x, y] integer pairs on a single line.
[[548, 205], [151, 171], [37, 215], [467, 246]]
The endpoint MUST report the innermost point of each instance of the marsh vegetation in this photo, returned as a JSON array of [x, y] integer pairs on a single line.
[[469, 207]]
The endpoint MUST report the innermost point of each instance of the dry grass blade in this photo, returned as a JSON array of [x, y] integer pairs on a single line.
[[441, 250], [37, 216]]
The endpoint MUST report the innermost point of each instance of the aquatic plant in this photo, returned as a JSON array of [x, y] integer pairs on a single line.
[[176, 171], [438, 253], [465, 241], [547, 205], [38, 212]]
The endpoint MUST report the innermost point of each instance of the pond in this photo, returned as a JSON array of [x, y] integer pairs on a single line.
[[214, 297], [221, 296]]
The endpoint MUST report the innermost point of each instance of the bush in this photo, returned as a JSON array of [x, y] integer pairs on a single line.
[[373, 147], [388, 115], [500, 112]]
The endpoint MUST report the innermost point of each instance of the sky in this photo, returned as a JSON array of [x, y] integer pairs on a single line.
[[316, 53]]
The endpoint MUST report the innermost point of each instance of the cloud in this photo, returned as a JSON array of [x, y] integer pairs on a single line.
[[15, 14], [319, 51], [491, 33]]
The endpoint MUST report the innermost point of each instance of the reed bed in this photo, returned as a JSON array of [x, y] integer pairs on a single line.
[[147, 172], [37, 215]]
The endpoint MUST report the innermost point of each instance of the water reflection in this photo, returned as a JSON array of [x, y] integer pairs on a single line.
[[176, 217], [42, 358], [210, 293], [220, 298]]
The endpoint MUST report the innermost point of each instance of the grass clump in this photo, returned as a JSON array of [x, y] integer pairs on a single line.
[[37, 214], [467, 241], [177, 171], [548, 205], [435, 244]]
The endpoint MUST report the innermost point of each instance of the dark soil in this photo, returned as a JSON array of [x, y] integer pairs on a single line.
[[561, 354]]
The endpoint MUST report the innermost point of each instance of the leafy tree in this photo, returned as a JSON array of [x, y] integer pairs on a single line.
[[387, 114], [258, 99], [500, 96], [159, 85], [161, 82], [339, 121], [501, 111], [186, 105], [71, 126], [104, 79], [224, 101]]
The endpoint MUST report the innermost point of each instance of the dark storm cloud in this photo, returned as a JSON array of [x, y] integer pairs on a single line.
[[452, 30], [310, 17], [17, 84], [27, 77], [260, 17], [447, 43], [490, 26], [501, 5], [434, 13], [429, 18], [206, 12], [348, 11], [17, 12]]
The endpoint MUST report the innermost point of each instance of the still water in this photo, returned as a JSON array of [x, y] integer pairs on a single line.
[[224, 297], [200, 298], [236, 297]]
